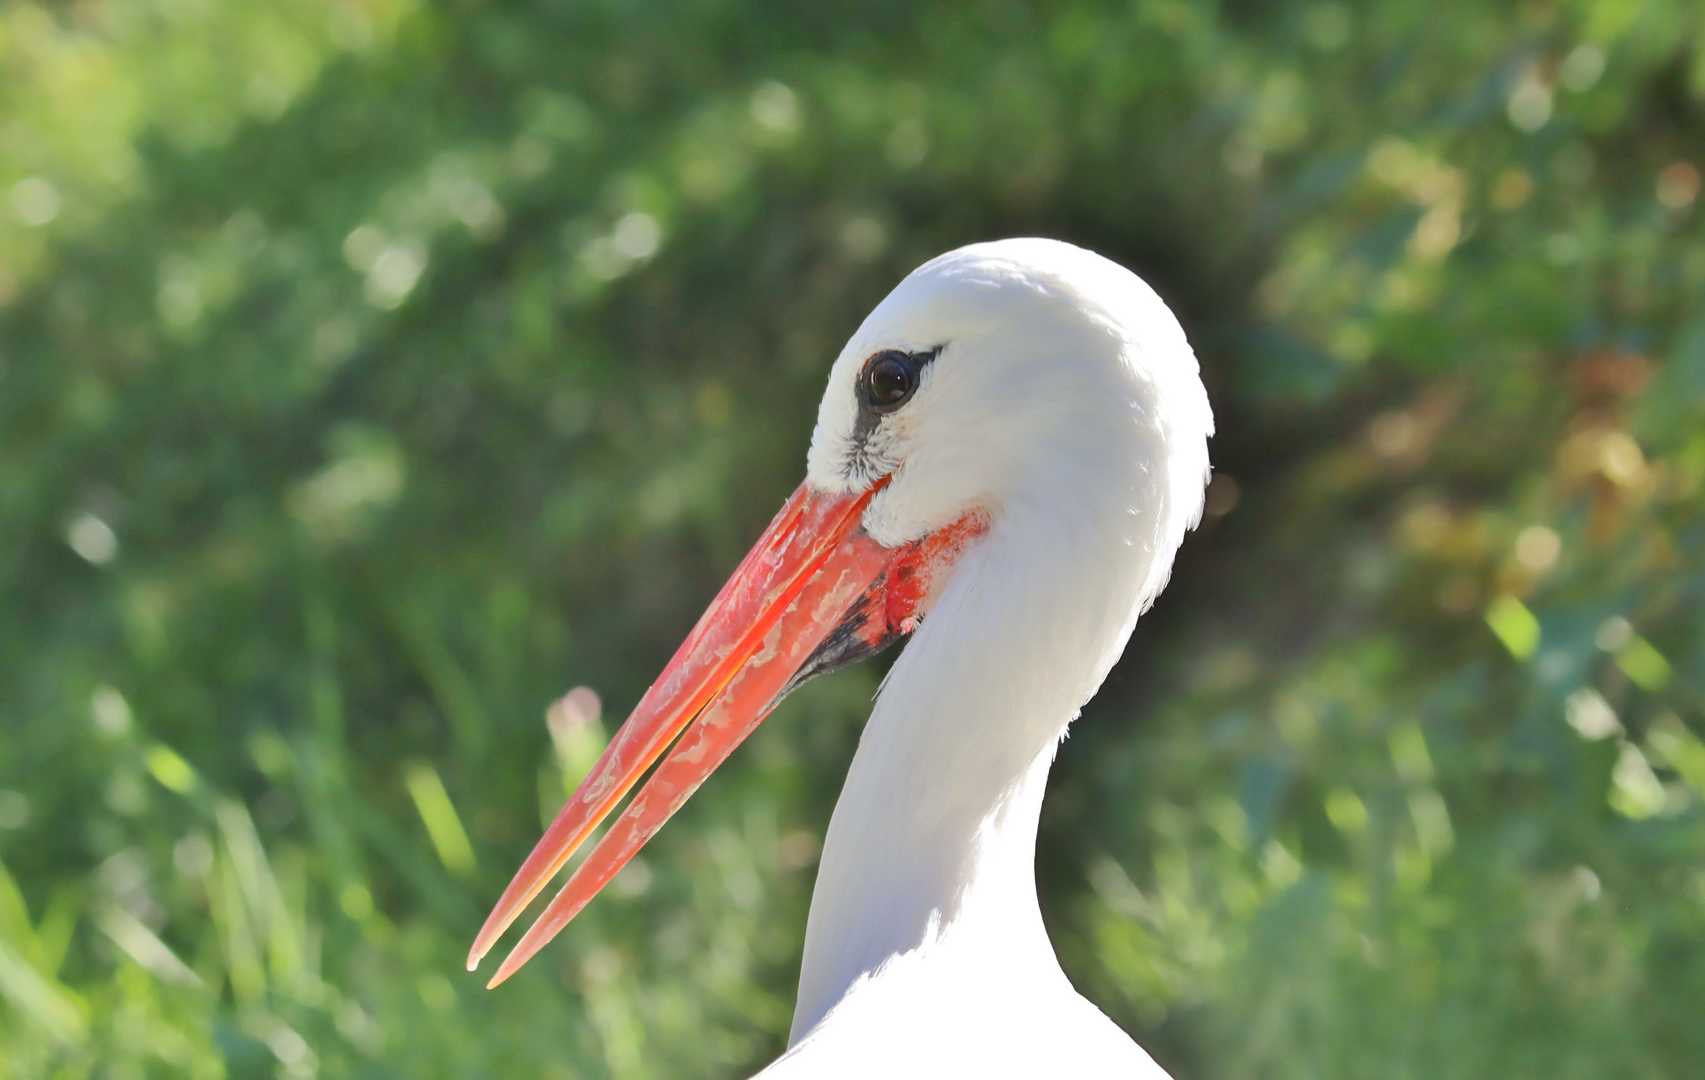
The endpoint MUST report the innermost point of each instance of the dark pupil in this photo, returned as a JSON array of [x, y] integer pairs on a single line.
[[891, 380]]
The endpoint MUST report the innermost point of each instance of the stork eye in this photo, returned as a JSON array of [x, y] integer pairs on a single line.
[[890, 380]]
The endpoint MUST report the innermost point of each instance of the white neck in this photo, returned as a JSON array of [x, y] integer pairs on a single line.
[[1063, 401], [930, 852]]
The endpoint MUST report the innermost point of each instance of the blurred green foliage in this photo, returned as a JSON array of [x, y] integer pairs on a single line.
[[374, 371]]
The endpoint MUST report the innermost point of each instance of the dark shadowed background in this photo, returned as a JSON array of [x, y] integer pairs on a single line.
[[373, 372]]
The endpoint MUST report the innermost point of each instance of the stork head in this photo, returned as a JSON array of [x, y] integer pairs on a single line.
[[996, 373], [1021, 380]]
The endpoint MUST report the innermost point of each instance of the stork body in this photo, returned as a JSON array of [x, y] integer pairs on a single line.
[[1013, 444]]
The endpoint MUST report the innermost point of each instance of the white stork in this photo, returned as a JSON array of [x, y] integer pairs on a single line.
[[1013, 444]]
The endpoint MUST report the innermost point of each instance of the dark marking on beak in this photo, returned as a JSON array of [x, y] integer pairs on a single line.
[[862, 633]]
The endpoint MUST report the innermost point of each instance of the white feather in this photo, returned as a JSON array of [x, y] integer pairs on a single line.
[[1067, 405]]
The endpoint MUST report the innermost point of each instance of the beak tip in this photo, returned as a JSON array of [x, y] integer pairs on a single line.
[[511, 964]]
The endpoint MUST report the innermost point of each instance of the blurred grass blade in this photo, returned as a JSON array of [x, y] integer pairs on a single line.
[[442, 824], [40, 1000], [15, 925], [1642, 662], [1515, 626], [257, 921], [58, 923], [171, 770], [237, 940], [1676, 747], [145, 947]]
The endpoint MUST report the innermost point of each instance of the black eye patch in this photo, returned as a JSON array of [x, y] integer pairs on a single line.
[[888, 381]]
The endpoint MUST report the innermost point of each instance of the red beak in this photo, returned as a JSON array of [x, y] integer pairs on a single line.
[[815, 593]]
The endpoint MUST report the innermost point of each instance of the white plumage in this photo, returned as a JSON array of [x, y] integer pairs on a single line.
[[1067, 404]]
